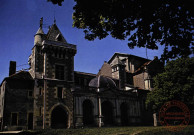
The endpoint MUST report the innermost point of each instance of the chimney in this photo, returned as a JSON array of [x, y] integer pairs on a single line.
[[12, 68]]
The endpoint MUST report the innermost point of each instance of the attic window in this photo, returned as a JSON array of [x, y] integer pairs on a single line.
[[59, 37]]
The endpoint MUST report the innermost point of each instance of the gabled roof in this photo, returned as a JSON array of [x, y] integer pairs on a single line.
[[84, 73], [125, 55], [55, 34], [146, 64], [21, 75]]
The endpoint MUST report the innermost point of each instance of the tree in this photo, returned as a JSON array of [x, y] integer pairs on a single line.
[[175, 83], [145, 23]]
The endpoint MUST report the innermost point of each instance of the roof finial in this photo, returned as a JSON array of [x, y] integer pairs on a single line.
[[54, 18], [41, 22]]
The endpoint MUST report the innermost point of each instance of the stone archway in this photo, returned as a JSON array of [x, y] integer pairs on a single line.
[[88, 113], [124, 114], [107, 113], [59, 118]]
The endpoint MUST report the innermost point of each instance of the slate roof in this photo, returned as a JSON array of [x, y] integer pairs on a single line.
[[40, 31], [54, 32], [21, 75], [125, 55]]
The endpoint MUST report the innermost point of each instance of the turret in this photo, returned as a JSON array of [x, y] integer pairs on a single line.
[[39, 34]]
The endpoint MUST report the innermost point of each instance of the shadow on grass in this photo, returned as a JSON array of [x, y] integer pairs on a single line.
[[110, 131]]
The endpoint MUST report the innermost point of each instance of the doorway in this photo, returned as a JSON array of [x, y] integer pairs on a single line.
[[30, 121], [107, 113], [88, 118], [59, 118]]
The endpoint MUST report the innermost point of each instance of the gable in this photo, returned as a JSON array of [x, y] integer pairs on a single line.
[[54, 34]]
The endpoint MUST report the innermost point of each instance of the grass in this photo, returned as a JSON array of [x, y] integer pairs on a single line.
[[112, 131]]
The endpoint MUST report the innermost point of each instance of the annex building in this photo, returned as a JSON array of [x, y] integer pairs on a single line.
[[52, 95]]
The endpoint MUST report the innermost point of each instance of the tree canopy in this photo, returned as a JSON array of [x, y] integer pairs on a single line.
[[175, 83], [144, 23]]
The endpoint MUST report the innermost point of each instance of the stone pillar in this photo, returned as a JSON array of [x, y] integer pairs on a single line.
[[79, 121], [155, 119], [78, 113], [100, 122], [118, 120]]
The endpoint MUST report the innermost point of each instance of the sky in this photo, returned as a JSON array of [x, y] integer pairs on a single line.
[[19, 21]]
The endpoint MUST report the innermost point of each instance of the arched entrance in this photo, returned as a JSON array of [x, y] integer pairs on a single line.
[[124, 114], [88, 117], [107, 113], [59, 118]]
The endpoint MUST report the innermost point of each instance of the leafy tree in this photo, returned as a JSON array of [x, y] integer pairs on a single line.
[[144, 23], [175, 83]]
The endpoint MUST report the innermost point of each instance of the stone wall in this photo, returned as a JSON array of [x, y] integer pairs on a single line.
[[17, 100]]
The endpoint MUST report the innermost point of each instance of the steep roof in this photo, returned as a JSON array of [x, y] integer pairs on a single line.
[[146, 64], [105, 70], [125, 55], [40, 31], [21, 75], [55, 34]]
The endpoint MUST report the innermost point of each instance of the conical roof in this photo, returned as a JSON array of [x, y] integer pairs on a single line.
[[40, 31]]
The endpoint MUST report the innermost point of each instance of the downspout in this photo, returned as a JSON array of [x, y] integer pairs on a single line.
[[99, 104], [44, 78]]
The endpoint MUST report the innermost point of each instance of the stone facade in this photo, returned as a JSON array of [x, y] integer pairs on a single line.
[[52, 95]]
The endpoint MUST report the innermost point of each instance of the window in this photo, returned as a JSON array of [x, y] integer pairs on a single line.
[[60, 92], [59, 72], [114, 69], [30, 93], [14, 119]]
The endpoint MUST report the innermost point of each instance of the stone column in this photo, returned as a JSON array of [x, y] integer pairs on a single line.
[[118, 112], [78, 114], [100, 123]]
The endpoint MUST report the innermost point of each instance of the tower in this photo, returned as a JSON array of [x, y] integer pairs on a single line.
[[118, 71], [52, 67]]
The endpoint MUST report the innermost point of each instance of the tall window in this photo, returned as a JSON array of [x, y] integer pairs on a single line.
[[14, 119], [60, 92], [59, 72]]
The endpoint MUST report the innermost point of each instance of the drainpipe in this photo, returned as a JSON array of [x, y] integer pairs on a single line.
[[44, 78], [99, 104]]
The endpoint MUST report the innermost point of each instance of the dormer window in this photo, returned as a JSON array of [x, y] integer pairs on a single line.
[[59, 37]]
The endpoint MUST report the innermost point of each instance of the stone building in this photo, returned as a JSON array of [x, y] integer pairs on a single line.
[[52, 95]]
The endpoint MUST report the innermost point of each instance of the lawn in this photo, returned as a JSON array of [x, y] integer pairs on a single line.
[[112, 131]]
